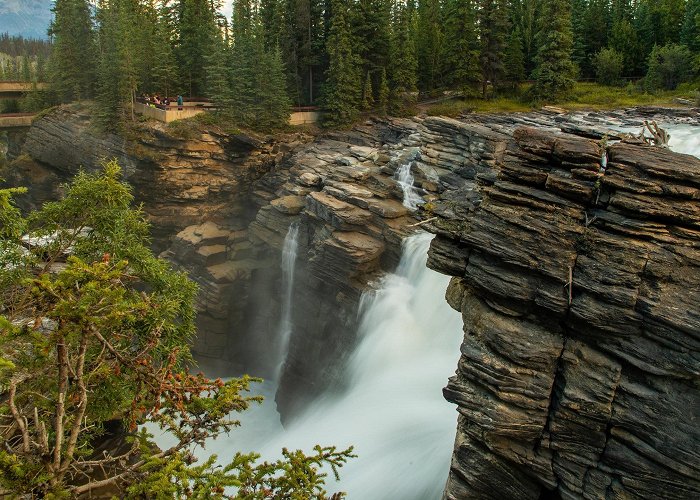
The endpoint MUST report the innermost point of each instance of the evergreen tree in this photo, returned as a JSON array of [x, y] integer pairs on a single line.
[[402, 66], [579, 52], [343, 82], [74, 56], [669, 66], [554, 73], [623, 38], [460, 58], [371, 26], [595, 33], [690, 33], [429, 40], [514, 59], [383, 97], [493, 24], [367, 94], [524, 15], [219, 76], [197, 33]]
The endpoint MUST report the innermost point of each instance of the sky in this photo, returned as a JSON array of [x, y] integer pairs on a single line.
[[31, 18]]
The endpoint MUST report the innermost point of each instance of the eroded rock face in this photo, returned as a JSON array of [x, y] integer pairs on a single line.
[[580, 294]]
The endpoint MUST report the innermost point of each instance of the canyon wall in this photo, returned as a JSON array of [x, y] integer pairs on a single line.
[[579, 288]]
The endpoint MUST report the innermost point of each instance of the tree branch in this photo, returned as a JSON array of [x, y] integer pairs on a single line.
[[18, 418]]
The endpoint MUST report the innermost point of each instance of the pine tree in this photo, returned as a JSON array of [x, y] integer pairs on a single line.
[[493, 23], [690, 33], [461, 65], [74, 56], [371, 27], [514, 60], [595, 33], [256, 95], [197, 32], [383, 97], [219, 79], [524, 15], [402, 65], [554, 73], [343, 89], [429, 40], [367, 94], [623, 38]]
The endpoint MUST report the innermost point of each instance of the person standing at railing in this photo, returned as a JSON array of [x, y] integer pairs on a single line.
[[179, 102]]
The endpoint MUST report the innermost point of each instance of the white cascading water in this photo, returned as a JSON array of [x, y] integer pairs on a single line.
[[289, 257], [392, 411], [405, 179], [684, 138]]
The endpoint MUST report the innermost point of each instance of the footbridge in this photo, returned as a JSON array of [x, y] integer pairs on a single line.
[[17, 90]]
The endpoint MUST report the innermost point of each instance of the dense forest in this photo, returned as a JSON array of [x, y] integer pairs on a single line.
[[355, 55]]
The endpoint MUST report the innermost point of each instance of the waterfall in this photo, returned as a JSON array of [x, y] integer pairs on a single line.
[[405, 179], [289, 257], [392, 411]]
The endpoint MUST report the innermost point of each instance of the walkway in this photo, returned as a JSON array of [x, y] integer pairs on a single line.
[[16, 120]]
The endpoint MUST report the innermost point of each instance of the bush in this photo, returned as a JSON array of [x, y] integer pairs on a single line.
[[608, 66], [669, 66]]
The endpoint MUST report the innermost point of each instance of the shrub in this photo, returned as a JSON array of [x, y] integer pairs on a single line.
[[608, 66], [669, 66]]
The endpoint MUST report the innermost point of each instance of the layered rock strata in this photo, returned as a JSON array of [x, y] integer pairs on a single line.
[[580, 290]]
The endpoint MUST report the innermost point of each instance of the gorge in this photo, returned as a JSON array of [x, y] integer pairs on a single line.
[[578, 292]]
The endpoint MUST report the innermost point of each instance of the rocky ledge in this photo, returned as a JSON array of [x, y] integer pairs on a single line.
[[580, 290]]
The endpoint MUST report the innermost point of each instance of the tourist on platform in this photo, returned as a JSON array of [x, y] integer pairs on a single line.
[[179, 102]]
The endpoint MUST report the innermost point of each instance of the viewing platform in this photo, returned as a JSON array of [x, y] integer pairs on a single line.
[[194, 106], [16, 120], [16, 90]]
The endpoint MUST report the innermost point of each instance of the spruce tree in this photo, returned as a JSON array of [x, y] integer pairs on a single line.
[[343, 89], [493, 24], [367, 94], [514, 60], [429, 41], [623, 38], [197, 32], [371, 26], [461, 65], [554, 73], [74, 55], [690, 33], [402, 65], [383, 94]]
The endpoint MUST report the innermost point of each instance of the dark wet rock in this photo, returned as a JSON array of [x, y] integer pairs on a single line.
[[579, 289]]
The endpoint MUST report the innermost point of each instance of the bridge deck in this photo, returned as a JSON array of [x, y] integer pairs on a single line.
[[16, 120]]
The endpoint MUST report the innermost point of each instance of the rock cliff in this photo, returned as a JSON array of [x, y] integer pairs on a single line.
[[579, 288]]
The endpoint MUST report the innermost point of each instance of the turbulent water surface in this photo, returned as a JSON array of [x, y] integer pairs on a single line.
[[392, 410]]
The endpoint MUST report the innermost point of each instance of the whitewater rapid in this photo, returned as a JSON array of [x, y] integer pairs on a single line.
[[392, 411]]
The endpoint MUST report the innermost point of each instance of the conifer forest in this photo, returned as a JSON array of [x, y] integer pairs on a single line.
[[353, 56]]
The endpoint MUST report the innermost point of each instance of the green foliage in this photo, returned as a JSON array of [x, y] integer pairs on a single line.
[[554, 74], [430, 37], [367, 94], [461, 56], [669, 66], [514, 59], [100, 328], [342, 91], [608, 66], [493, 23], [690, 33], [400, 94], [197, 34], [74, 54]]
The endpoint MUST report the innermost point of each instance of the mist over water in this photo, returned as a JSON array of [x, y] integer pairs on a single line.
[[392, 411]]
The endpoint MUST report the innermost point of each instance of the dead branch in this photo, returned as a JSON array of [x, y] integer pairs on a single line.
[[422, 222]]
